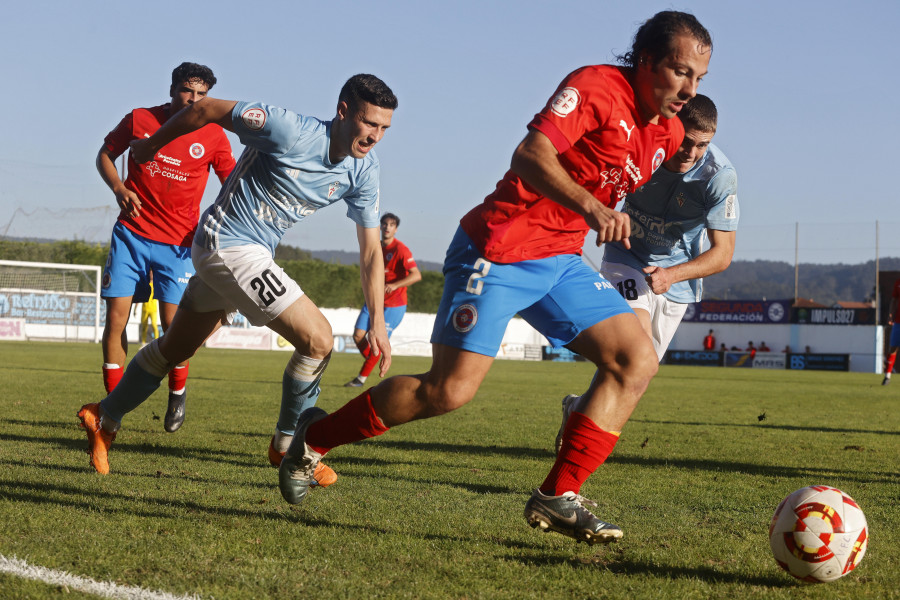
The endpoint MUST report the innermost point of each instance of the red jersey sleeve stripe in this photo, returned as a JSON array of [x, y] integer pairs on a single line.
[[545, 126]]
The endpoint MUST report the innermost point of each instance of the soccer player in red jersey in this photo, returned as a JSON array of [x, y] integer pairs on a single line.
[[160, 206], [894, 344], [601, 135], [400, 272]]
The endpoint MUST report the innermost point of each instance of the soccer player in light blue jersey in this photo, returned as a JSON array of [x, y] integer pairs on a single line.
[[292, 166], [691, 199]]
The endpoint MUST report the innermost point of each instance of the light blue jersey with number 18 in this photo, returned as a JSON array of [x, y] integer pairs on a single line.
[[670, 215], [283, 176]]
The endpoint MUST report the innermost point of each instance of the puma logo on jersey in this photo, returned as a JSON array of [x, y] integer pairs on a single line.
[[624, 126]]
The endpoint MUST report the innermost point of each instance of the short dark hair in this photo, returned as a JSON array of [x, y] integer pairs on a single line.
[[188, 71], [386, 216], [367, 88], [699, 113], [653, 40]]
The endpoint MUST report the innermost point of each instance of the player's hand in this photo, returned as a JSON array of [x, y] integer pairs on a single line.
[[128, 202], [142, 151], [380, 344], [658, 279], [610, 225], [388, 288]]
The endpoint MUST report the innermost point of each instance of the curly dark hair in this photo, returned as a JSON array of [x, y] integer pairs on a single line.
[[188, 71], [387, 216], [367, 88], [653, 40]]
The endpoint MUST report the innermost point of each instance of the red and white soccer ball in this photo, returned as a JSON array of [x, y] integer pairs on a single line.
[[818, 534]]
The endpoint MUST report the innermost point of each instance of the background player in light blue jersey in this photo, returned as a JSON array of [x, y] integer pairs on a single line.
[[692, 198], [292, 166]]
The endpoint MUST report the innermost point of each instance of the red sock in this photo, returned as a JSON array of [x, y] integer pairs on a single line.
[[889, 367], [111, 377], [178, 378], [353, 422], [370, 363], [585, 447], [364, 348]]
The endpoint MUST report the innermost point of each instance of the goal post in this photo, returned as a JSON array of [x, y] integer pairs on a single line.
[[54, 301]]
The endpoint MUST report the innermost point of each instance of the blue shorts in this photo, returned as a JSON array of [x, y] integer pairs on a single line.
[[130, 260], [392, 317], [560, 296], [895, 336]]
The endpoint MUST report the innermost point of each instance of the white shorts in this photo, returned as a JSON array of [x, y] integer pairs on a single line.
[[665, 315], [240, 278]]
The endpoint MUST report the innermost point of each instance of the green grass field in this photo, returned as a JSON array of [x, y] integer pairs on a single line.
[[433, 509]]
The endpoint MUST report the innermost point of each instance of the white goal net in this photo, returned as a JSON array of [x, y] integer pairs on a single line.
[[49, 301]]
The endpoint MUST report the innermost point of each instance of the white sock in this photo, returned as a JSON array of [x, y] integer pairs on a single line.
[[282, 441]]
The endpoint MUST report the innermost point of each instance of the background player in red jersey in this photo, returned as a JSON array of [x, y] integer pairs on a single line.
[[400, 272], [894, 343], [160, 206], [601, 136]]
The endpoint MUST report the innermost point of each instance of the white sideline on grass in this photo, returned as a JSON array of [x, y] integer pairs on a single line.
[[105, 589]]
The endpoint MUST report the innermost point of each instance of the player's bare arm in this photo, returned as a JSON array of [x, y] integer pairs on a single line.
[[190, 118], [414, 276], [371, 273], [127, 200], [536, 161], [714, 260]]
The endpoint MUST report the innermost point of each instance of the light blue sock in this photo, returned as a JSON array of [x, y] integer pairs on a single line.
[[299, 389], [141, 379]]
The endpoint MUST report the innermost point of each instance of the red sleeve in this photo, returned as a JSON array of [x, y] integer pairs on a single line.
[[223, 162], [577, 107], [896, 293], [117, 141]]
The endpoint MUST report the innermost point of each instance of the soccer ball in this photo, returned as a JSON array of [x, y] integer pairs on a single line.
[[818, 534]]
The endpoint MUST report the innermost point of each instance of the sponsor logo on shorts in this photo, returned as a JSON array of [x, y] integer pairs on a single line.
[[565, 102], [254, 118], [658, 159], [197, 150], [464, 318]]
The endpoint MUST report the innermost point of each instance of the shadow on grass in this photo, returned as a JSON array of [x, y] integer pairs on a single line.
[[810, 428], [624, 566]]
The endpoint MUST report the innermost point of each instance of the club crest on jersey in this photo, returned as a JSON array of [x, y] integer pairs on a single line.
[[565, 102], [680, 199], [658, 159], [333, 188], [197, 150], [390, 255], [464, 318], [254, 118]]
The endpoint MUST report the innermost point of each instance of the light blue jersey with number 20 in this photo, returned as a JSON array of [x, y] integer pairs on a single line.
[[283, 176]]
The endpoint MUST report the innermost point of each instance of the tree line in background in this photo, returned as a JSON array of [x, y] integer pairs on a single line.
[[334, 285], [329, 285]]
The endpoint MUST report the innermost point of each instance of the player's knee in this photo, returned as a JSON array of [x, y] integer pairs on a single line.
[[321, 342], [446, 397], [639, 366]]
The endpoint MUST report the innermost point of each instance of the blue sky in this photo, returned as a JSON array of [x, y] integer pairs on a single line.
[[806, 94]]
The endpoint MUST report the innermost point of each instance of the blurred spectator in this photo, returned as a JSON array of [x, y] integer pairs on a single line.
[[709, 342], [764, 348]]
